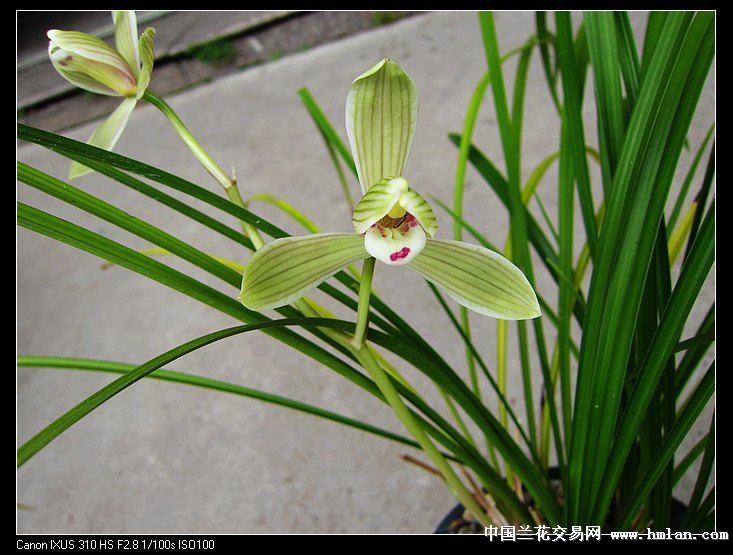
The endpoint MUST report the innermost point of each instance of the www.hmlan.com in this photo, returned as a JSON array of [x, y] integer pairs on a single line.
[[589, 533]]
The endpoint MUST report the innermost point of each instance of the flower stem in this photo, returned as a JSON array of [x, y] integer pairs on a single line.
[[365, 291], [376, 372], [249, 230], [228, 183], [362, 352], [206, 160]]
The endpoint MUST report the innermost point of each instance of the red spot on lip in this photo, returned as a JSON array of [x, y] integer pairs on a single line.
[[402, 253]]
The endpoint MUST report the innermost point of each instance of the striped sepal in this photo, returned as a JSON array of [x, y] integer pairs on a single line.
[[381, 111], [478, 278]]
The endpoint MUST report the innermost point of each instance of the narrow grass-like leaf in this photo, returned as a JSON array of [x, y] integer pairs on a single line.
[[603, 49], [156, 194], [654, 25], [510, 132], [687, 461], [494, 384], [655, 136], [287, 208], [545, 39], [701, 199], [628, 56], [566, 293], [670, 327], [469, 123], [703, 476], [84, 364], [684, 188], [572, 114], [681, 233], [91, 204], [109, 163], [321, 121], [75, 149], [71, 417], [236, 266], [464, 145], [687, 417], [694, 354], [702, 339], [453, 385], [658, 167]]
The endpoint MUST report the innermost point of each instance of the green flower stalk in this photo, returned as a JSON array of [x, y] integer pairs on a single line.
[[89, 63], [393, 223]]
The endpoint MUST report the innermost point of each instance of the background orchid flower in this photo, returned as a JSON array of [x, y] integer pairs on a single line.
[[393, 223], [91, 64]]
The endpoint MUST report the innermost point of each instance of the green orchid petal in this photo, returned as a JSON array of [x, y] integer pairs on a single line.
[[416, 205], [147, 57], [106, 135], [126, 38], [377, 202], [76, 78], [381, 112], [286, 269], [83, 53], [478, 278]]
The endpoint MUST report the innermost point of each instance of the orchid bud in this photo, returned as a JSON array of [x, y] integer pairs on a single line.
[[91, 64]]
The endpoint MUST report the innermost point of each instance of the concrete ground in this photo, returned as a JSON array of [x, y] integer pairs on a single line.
[[168, 458]]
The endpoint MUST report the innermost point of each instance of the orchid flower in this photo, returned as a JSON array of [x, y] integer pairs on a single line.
[[91, 64], [392, 222]]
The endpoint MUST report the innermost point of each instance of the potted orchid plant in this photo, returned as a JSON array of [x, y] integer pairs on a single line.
[[621, 387]]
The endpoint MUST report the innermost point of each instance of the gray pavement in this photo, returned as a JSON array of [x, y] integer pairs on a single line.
[[168, 458], [191, 48]]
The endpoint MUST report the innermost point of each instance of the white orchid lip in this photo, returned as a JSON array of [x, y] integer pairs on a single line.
[[395, 241]]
